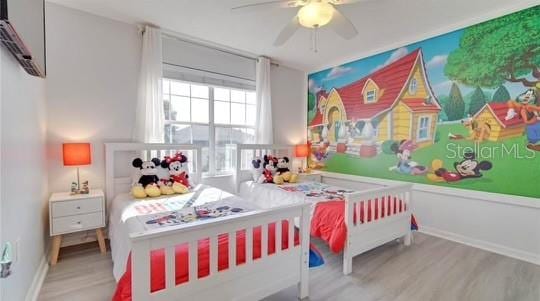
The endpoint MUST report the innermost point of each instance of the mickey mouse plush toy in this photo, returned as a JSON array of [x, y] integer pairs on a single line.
[[284, 174], [148, 171], [468, 168], [147, 183]]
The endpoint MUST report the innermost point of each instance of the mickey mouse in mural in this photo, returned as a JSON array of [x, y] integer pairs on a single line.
[[526, 108], [468, 168]]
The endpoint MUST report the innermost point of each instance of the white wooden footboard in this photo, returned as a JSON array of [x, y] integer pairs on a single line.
[[252, 280], [374, 217]]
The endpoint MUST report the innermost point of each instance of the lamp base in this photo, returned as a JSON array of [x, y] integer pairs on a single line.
[[76, 187]]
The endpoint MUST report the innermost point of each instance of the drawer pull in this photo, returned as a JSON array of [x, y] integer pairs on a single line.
[[79, 207], [77, 225]]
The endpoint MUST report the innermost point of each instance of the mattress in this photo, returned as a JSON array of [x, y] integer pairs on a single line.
[[129, 215]]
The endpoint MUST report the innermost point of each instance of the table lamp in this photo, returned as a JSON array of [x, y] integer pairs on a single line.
[[301, 151], [77, 154]]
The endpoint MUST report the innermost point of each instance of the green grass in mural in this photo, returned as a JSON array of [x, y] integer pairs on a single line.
[[509, 175]]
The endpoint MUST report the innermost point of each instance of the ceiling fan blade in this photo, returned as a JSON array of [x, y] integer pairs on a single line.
[[287, 32], [342, 25], [268, 4], [341, 2]]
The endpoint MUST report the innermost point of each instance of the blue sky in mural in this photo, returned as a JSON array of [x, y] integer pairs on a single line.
[[435, 51]]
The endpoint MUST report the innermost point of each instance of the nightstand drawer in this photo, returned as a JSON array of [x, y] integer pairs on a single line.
[[75, 207], [77, 223]]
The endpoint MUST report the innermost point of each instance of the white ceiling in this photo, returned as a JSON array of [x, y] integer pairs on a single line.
[[382, 24]]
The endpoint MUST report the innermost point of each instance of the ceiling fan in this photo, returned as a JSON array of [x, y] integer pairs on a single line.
[[312, 14]]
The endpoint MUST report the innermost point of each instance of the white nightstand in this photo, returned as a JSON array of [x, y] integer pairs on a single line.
[[74, 213], [313, 176]]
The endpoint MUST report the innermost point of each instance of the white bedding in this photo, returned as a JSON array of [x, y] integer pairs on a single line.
[[271, 195], [268, 195], [126, 213]]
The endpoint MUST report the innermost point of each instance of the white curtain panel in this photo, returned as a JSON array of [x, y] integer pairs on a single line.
[[149, 119], [263, 127]]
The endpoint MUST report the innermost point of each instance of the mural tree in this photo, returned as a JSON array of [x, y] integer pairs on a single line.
[[501, 95], [478, 100], [455, 107], [504, 49]]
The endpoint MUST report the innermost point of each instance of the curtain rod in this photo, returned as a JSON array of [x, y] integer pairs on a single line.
[[208, 71], [215, 48]]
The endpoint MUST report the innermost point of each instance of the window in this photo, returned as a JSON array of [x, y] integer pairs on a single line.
[[211, 117], [413, 86], [423, 128], [371, 96]]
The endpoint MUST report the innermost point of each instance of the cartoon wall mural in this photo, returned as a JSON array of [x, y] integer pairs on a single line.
[[459, 110]]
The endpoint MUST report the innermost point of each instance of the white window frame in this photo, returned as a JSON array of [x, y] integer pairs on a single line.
[[369, 99], [427, 128], [413, 86], [211, 124]]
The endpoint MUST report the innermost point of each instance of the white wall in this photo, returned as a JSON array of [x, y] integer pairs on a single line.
[[92, 85], [289, 88], [23, 179], [93, 67]]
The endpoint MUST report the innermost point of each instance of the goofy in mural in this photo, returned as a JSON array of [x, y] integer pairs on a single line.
[[526, 108]]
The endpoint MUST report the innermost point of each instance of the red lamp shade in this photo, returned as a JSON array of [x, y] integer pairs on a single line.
[[301, 150], [76, 154]]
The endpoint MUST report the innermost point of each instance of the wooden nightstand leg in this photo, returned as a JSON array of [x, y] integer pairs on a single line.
[[55, 248], [101, 241]]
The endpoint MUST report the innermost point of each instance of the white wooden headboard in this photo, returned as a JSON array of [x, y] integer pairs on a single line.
[[244, 153], [118, 158]]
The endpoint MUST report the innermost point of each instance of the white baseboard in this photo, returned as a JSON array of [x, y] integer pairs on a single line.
[[39, 278], [482, 244]]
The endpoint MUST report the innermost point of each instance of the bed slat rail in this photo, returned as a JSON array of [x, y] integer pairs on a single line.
[[286, 259], [376, 212], [370, 206]]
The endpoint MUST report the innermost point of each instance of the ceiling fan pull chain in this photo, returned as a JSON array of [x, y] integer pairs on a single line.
[[311, 40], [316, 40]]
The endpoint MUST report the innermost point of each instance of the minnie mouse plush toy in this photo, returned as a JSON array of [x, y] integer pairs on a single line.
[[177, 169], [269, 169]]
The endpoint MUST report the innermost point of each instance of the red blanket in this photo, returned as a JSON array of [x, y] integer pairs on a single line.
[[157, 262], [328, 220]]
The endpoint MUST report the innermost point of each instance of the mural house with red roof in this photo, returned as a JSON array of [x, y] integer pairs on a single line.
[[494, 114], [395, 102]]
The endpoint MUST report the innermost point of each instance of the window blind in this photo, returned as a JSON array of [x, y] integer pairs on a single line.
[[187, 61]]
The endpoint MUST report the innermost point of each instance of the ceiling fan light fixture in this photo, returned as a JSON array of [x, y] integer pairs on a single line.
[[315, 14]]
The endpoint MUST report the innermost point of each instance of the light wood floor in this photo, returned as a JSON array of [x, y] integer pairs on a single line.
[[431, 269]]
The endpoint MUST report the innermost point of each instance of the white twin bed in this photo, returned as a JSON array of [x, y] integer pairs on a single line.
[[235, 257], [371, 217]]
